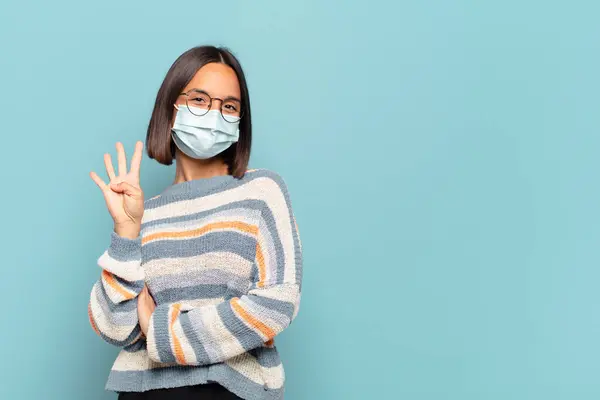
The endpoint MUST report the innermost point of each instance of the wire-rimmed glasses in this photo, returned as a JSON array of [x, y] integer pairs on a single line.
[[199, 103]]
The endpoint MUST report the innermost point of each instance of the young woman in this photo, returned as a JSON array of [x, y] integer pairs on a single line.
[[197, 281]]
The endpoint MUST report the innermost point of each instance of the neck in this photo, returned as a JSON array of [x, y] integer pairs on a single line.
[[188, 169]]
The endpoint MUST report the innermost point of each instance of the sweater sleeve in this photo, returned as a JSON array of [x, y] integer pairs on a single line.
[[186, 335], [112, 309]]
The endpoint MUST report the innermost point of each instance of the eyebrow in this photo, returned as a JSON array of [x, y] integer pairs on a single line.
[[226, 98]]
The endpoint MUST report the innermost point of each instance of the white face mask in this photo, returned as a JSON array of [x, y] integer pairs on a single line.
[[203, 136]]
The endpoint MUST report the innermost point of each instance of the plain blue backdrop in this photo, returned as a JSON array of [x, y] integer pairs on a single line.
[[442, 158]]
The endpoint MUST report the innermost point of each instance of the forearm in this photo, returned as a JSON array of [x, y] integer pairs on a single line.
[[113, 301], [187, 335], [212, 334], [116, 323]]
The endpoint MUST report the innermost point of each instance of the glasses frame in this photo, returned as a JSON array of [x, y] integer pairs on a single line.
[[186, 94]]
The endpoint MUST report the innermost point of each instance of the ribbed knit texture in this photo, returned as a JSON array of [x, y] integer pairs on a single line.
[[222, 258]]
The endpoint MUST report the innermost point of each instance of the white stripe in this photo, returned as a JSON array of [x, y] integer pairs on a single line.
[[126, 270], [104, 325], [217, 339], [113, 294], [285, 292], [267, 245], [248, 366], [228, 262], [274, 376]]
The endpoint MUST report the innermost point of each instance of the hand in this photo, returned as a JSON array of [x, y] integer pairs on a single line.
[[123, 195], [145, 309]]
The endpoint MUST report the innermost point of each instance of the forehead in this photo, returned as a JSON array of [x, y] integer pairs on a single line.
[[218, 80]]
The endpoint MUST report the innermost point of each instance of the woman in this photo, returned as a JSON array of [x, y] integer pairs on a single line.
[[197, 281]]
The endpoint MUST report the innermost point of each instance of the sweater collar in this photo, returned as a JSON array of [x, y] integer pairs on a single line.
[[198, 186]]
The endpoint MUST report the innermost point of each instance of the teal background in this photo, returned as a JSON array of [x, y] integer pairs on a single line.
[[441, 157]]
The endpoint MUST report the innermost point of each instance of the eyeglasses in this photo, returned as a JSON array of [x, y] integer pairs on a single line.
[[199, 103]]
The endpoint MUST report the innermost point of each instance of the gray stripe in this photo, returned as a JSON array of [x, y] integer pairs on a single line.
[[191, 333], [254, 272], [267, 356], [247, 337], [269, 224], [282, 307], [297, 252], [260, 312], [116, 316], [137, 346], [121, 343], [196, 292], [178, 376], [239, 206], [191, 190], [156, 378], [161, 334], [229, 241], [203, 187], [123, 249]]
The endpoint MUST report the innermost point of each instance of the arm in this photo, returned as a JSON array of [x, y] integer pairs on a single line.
[[210, 334], [113, 302]]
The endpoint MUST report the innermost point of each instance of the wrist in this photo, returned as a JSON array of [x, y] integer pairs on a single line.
[[128, 231]]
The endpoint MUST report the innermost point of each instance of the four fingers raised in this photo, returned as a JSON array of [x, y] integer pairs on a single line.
[[136, 161]]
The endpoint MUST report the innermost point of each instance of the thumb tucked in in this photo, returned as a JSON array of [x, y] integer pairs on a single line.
[[124, 187]]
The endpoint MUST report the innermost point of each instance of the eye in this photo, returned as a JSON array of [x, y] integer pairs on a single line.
[[231, 107]]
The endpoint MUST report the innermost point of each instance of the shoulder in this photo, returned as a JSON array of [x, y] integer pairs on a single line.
[[267, 184], [263, 174]]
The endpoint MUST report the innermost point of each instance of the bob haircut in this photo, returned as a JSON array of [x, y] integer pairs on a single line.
[[159, 143]]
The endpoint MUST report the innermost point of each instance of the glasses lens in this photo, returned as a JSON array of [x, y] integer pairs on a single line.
[[198, 102], [231, 110]]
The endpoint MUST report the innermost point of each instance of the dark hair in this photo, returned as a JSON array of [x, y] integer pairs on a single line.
[[159, 143]]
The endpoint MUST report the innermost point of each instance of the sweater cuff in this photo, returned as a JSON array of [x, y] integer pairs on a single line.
[[157, 338], [123, 258], [125, 249]]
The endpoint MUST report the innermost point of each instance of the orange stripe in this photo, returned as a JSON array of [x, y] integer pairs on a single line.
[[270, 343], [178, 349], [264, 329], [92, 319], [262, 270], [110, 279], [242, 226]]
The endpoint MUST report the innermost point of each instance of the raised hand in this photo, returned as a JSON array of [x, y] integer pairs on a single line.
[[123, 195]]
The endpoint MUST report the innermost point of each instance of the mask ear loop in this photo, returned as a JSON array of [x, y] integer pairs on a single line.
[[176, 107]]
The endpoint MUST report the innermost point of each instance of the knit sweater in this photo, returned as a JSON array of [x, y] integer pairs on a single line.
[[222, 258]]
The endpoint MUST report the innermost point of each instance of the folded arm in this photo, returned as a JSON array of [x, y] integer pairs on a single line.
[[210, 334]]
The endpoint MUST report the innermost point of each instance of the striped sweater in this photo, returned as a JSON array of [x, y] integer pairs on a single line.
[[222, 258]]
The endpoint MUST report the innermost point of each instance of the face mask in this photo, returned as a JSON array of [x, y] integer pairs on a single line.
[[204, 136]]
